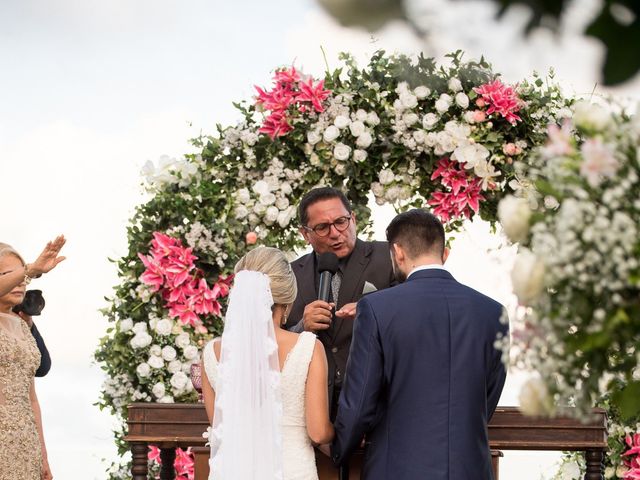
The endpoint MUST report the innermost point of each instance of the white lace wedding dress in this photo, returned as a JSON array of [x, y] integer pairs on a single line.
[[298, 456]]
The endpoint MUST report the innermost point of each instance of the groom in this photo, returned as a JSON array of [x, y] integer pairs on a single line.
[[423, 377]]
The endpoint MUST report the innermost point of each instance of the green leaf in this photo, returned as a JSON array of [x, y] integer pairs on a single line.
[[628, 400]]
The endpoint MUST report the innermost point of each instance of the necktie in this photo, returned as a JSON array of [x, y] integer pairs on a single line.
[[336, 280]]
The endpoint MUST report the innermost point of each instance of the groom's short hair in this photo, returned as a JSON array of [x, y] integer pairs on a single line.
[[418, 232]]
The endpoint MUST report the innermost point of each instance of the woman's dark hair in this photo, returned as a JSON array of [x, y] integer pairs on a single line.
[[317, 194], [418, 232]]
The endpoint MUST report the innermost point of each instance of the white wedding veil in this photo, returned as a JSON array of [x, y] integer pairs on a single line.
[[246, 439]]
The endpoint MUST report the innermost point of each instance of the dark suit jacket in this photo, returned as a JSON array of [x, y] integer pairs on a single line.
[[45, 358], [370, 262], [423, 380]]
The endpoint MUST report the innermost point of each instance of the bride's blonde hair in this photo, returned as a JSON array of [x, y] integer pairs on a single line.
[[272, 262], [6, 249]]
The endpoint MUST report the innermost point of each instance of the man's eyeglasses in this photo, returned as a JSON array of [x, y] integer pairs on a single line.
[[323, 229]]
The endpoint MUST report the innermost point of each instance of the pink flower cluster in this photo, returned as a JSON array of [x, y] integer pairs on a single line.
[[500, 99], [291, 93], [462, 195], [633, 460], [170, 268], [184, 463]]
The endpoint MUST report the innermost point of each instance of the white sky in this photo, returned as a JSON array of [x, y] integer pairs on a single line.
[[90, 90]]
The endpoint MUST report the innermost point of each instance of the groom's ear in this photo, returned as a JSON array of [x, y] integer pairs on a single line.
[[397, 252], [445, 255]]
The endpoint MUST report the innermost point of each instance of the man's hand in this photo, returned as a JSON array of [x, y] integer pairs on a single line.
[[348, 311], [317, 316]]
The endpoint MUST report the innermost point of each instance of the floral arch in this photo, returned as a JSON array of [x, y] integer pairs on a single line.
[[453, 138]]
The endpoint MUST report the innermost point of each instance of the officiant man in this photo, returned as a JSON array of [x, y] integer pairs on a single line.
[[424, 376], [328, 224]]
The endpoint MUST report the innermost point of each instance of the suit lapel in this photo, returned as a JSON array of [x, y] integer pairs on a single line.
[[353, 272]]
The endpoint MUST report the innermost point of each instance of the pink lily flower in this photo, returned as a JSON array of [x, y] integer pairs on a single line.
[[501, 99], [276, 125], [153, 275], [315, 94], [287, 76]]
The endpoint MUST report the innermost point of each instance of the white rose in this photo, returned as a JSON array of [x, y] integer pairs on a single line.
[[153, 322], [429, 121], [169, 353], [527, 276], [431, 139], [403, 87], [267, 199], [166, 399], [469, 117], [155, 350], [139, 327], [241, 212], [455, 85], [590, 116], [190, 352], [443, 103], [183, 340], [419, 136], [126, 325], [377, 189], [534, 398], [313, 137], [261, 187], [143, 370], [422, 92], [155, 361], [359, 155], [364, 140], [569, 471], [271, 215], [243, 195], [158, 390], [373, 119], [357, 128], [341, 122], [285, 216], [609, 472], [179, 380], [386, 176], [410, 118], [514, 215], [462, 100], [282, 203], [341, 152], [164, 326], [361, 115], [331, 133], [408, 100], [141, 340], [174, 366], [285, 188], [445, 142]]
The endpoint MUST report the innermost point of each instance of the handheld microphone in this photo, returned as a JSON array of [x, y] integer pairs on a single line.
[[327, 266]]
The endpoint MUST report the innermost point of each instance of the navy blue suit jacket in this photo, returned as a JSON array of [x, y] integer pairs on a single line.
[[422, 381]]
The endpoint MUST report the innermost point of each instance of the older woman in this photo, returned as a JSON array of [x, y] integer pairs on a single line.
[[23, 453]]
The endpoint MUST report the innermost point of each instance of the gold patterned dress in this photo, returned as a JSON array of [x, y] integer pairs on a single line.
[[20, 456]]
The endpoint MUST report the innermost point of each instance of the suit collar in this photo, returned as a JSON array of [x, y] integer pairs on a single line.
[[430, 273]]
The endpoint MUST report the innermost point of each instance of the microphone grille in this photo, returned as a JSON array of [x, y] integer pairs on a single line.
[[328, 262]]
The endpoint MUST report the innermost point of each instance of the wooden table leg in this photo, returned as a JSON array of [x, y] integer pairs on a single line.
[[139, 453], [495, 463], [168, 458], [595, 459]]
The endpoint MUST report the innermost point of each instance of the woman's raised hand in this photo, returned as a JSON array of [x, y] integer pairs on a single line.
[[49, 258]]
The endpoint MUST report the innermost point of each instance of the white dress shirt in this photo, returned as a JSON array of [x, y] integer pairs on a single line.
[[431, 266]]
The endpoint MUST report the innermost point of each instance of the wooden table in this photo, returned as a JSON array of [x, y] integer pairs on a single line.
[[181, 425]]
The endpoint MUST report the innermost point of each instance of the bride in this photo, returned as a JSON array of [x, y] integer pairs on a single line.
[[265, 388]]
